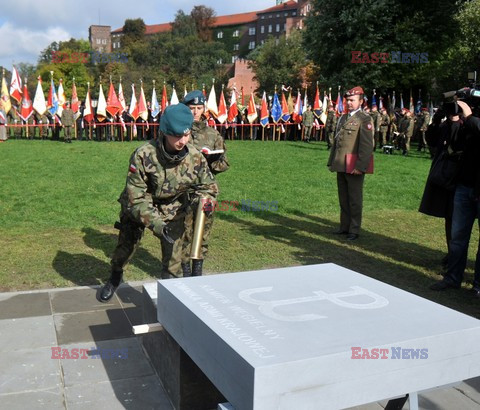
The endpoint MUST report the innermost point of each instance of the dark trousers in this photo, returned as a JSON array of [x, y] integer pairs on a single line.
[[350, 196], [466, 209]]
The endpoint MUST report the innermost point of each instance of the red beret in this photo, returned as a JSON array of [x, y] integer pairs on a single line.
[[354, 91], [424, 109], [405, 110]]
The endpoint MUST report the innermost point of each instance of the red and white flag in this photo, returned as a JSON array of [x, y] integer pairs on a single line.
[[142, 105], [121, 98], [75, 103], [113, 104], [252, 110], [164, 98], [101, 105], [16, 86], [212, 106], [27, 109], [133, 112], [39, 103], [88, 112], [222, 109], [233, 109]]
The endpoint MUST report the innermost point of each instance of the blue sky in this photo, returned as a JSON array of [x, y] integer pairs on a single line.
[[28, 26]]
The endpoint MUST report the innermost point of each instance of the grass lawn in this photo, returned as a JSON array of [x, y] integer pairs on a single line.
[[58, 205]]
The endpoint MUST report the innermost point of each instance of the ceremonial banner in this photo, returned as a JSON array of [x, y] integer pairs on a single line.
[[16, 86], [39, 104], [212, 102], [27, 109], [222, 109], [252, 110], [264, 111]]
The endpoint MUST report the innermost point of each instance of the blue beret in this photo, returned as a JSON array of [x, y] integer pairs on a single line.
[[176, 120], [194, 98]]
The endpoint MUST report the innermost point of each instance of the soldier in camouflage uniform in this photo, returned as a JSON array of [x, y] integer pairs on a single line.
[[384, 123], [376, 124], [307, 121], [330, 126], [165, 176], [42, 125], [423, 123], [68, 121], [203, 136], [15, 120], [405, 128]]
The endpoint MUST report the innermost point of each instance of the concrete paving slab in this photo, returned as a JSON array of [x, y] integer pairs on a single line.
[[84, 371], [81, 300], [131, 300], [25, 305], [444, 399], [138, 393], [471, 388], [92, 326], [50, 399], [27, 333], [28, 370]]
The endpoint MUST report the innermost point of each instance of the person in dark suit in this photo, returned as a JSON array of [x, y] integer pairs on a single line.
[[354, 135]]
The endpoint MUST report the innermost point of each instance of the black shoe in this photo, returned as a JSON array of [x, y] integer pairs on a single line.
[[476, 292], [187, 271], [352, 236], [197, 265], [340, 232], [443, 285], [107, 292]]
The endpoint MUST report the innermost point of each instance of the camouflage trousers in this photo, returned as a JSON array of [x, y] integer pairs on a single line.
[[129, 239], [188, 238]]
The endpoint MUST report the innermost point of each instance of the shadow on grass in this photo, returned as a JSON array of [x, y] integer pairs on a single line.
[[390, 260], [83, 269]]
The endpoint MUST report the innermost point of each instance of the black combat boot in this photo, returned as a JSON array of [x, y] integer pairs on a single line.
[[197, 267], [111, 286], [187, 271]]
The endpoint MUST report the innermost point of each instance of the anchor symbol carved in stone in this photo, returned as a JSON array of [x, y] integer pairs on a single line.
[[267, 307]]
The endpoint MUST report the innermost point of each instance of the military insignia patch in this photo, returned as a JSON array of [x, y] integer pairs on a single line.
[[132, 168], [369, 126]]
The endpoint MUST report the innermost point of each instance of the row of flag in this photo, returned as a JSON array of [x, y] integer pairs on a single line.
[[280, 109]]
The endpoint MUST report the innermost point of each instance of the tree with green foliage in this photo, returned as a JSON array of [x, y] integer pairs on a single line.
[[183, 25], [335, 29], [281, 61]]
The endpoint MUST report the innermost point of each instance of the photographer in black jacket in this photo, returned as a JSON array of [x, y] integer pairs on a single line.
[[466, 207]]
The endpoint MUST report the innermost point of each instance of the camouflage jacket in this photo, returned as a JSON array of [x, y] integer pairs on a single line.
[[160, 186], [331, 122], [204, 136], [308, 118], [68, 117], [406, 126]]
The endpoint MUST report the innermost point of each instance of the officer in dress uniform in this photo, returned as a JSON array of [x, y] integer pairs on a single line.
[[354, 135]]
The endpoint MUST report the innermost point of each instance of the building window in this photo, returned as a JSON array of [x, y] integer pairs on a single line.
[[251, 31], [251, 45], [262, 17], [104, 41], [284, 26], [220, 34], [278, 15], [262, 29], [235, 33], [308, 8], [114, 45], [277, 41], [234, 58], [286, 14], [277, 28], [294, 13], [98, 41], [269, 28], [219, 61], [236, 47]]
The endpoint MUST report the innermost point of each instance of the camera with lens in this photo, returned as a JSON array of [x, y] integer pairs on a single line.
[[470, 95]]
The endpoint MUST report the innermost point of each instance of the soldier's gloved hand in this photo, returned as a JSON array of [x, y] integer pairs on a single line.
[[166, 232], [161, 230]]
